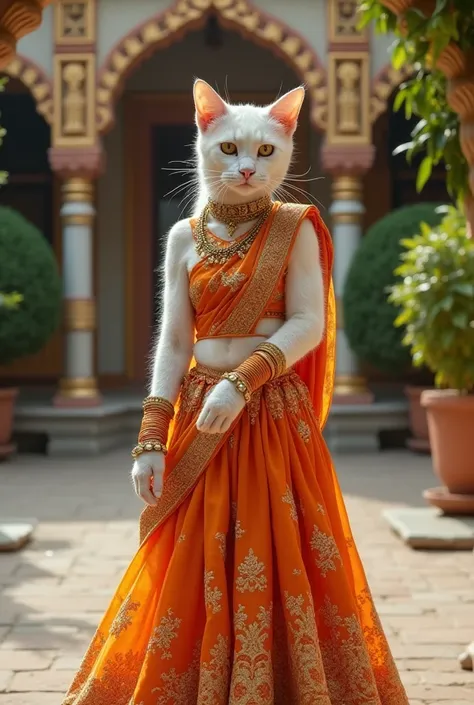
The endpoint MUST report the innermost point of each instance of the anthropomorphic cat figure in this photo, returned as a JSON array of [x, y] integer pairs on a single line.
[[247, 586]]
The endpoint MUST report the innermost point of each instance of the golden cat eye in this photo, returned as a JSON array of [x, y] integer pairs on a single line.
[[229, 148], [266, 150]]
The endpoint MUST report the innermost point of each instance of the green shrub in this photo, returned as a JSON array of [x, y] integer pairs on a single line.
[[368, 316], [436, 300], [27, 268]]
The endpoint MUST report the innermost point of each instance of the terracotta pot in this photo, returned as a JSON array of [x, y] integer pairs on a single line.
[[7, 406], [420, 440], [452, 61], [451, 428]]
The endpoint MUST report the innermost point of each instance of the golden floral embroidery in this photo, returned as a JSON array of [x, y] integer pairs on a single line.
[[305, 654], [290, 500], [251, 577], [297, 571], [124, 619], [252, 671], [164, 634], [232, 280], [222, 540], [326, 548], [346, 659], [304, 431], [239, 531], [195, 293], [212, 595], [214, 675], [90, 657], [275, 403], [253, 407], [321, 509], [182, 538], [179, 688], [116, 685], [231, 440], [291, 398]]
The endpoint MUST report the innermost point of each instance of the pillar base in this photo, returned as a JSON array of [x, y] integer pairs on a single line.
[[78, 392], [352, 390]]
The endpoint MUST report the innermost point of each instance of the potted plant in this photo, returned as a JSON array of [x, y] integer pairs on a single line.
[[436, 298], [30, 305], [369, 317]]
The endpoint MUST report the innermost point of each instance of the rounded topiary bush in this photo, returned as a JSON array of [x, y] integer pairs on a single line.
[[28, 268], [368, 316]]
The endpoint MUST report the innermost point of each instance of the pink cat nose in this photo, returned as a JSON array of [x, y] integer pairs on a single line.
[[247, 173]]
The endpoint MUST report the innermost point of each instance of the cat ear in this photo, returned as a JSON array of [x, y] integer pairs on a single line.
[[287, 108], [209, 105]]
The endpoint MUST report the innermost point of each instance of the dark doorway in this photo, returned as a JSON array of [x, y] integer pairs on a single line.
[[24, 155], [172, 201]]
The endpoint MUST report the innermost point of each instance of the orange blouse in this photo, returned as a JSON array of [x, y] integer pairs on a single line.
[[215, 288]]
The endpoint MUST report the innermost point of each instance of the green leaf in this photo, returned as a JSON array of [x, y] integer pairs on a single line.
[[399, 56], [424, 173], [461, 320], [464, 288]]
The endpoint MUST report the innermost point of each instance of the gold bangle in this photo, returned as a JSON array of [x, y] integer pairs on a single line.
[[238, 383], [148, 447], [159, 402], [277, 355]]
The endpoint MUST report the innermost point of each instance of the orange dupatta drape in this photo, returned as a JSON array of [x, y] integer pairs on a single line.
[[238, 314]]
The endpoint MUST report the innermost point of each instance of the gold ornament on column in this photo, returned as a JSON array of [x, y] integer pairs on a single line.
[[74, 101], [348, 99]]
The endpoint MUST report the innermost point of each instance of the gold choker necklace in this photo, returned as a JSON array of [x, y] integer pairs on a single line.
[[234, 215], [215, 253]]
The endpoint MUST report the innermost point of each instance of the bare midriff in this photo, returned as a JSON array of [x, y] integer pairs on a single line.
[[225, 354]]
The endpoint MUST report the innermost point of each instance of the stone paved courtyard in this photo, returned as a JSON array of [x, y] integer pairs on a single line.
[[54, 591]]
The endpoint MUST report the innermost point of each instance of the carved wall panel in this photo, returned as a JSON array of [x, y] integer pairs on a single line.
[[348, 109], [75, 23], [343, 22], [74, 109]]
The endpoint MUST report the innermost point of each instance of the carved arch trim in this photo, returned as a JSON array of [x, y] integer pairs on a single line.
[[183, 16], [383, 86], [37, 82]]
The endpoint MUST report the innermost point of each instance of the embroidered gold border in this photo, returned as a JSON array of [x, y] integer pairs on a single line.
[[248, 310], [181, 480]]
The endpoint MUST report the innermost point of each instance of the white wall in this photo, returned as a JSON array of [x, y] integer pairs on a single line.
[[248, 68], [380, 52], [39, 45]]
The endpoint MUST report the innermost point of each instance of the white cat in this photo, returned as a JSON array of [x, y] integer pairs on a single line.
[[243, 152]]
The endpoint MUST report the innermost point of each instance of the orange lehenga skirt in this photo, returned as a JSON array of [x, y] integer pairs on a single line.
[[252, 591]]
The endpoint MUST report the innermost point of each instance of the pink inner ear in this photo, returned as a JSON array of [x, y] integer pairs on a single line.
[[287, 109], [209, 105]]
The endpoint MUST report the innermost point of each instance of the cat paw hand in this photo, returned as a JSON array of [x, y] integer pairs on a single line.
[[220, 409], [147, 476]]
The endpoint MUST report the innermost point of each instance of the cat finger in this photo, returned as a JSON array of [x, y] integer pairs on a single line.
[[225, 425], [144, 490], [215, 426]]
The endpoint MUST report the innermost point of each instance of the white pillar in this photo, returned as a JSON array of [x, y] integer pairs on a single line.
[[78, 385], [347, 211]]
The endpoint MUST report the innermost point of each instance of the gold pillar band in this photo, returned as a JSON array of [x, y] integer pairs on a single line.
[[347, 218], [79, 219], [79, 314], [347, 188], [350, 385], [78, 388], [78, 190]]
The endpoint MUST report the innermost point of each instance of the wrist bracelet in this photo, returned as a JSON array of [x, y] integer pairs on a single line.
[[149, 447], [238, 383]]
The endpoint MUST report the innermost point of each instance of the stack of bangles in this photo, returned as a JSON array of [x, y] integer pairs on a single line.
[[157, 416], [267, 363]]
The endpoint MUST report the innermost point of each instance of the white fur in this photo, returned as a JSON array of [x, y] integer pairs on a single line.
[[248, 127]]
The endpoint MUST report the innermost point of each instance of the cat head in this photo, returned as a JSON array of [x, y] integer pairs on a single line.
[[243, 151]]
